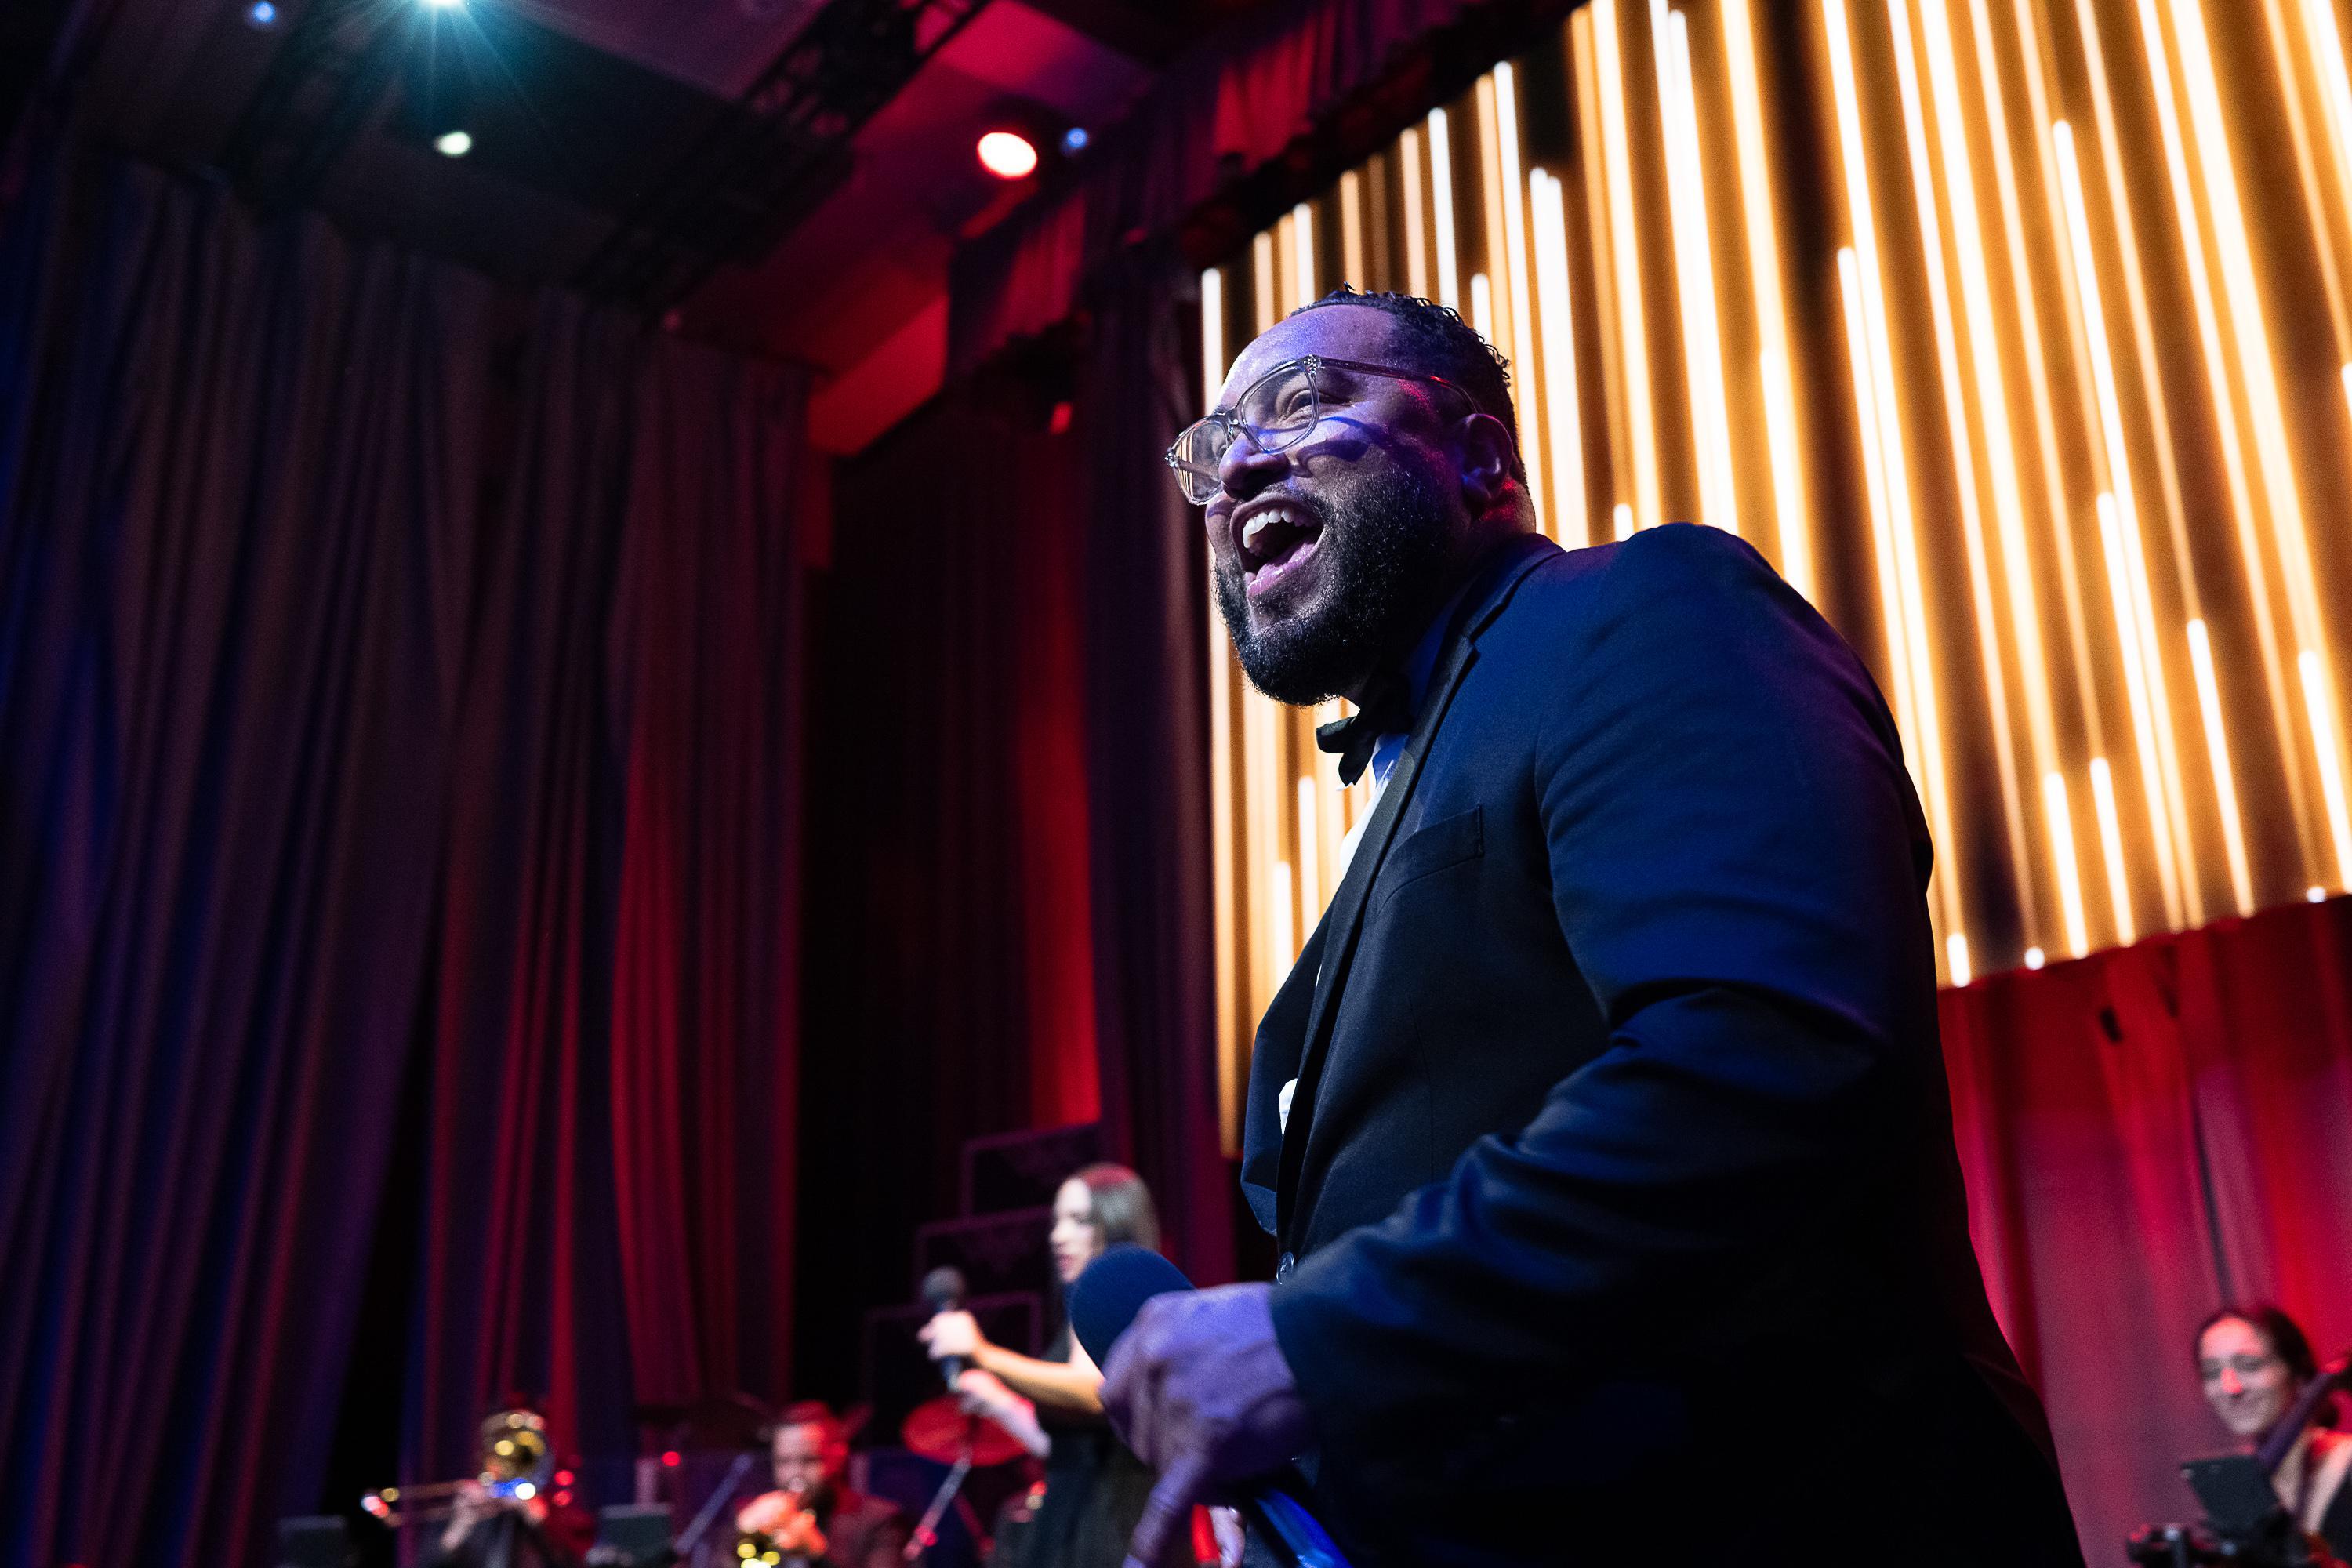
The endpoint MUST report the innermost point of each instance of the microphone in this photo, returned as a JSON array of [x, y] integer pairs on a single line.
[[943, 1292], [1103, 1303]]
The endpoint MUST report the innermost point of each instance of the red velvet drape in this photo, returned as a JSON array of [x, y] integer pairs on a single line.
[[2147, 1134]]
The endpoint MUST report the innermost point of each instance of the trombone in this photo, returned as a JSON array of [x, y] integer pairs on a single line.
[[517, 1461]]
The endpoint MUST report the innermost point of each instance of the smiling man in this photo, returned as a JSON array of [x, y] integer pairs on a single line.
[[1603, 1121]]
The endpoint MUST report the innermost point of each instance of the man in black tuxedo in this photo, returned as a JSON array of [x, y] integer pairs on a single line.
[[1603, 1121]]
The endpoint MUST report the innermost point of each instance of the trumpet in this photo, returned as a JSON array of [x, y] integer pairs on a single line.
[[790, 1536], [516, 1463]]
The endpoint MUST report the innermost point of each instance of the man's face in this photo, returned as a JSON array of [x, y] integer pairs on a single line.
[[801, 1462], [1328, 557], [2247, 1385]]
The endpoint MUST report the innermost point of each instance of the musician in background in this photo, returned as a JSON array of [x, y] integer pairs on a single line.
[[533, 1525], [1095, 1489], [813, 1514], [2253, 1360]]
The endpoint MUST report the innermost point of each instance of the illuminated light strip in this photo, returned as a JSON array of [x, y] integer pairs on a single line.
[[1482, 306], [2251, 335], [1621, 519], [1490, 208], [1534, 405], [1772, 313], [1262, 272], [1964, 462], [1302, 255], [2029, 327], [1933, 780], [1416, 242], [1572, 521], [2331, 776], [1282, 930], [1441, 203], [1955, 958], [1693, 269], [1649, 507], [1213, 336], [1270, 904], [2217, 743], [2325, 54], [1993, 408], [2070, 877], [1352, 230], [2307, 167], [1882, 525], [1596, 209], [2151, 375], [2225, 420], [1310, 849], [2151, 719], [2130, 635], [2111, 849]]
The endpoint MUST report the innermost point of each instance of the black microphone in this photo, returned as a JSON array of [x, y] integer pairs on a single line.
[[943, 1292], [1103, 1301]]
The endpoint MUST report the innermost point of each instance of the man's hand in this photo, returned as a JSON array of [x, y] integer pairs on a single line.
[[1199, 1390]]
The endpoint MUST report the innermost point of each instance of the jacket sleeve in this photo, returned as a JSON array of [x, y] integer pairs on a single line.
[[1735, 865]]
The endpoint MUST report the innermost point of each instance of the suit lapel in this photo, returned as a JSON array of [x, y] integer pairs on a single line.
[[1343, 923]]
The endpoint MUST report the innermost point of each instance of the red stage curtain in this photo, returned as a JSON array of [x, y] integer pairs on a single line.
[[358, 738], [2147, 1134]]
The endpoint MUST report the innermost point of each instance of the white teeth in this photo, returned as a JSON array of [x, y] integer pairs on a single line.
[[1265, 519]]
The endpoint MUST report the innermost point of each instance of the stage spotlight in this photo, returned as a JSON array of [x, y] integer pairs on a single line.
[[1007, 154], [261, 13], [1073, 140], [445, 4], [453, 144]]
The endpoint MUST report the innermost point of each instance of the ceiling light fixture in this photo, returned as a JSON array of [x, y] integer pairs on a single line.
[[1007, 154], [261, 13], [453, 144]]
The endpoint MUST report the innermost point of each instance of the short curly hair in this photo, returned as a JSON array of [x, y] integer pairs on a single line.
[[1437, 339]]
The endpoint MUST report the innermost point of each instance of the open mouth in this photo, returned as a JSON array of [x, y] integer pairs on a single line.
[[1275, 545]]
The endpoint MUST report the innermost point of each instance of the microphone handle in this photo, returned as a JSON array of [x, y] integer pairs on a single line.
[[1283, 1523], [951, 1367]]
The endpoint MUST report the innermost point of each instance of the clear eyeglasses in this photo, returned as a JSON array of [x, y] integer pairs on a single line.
[[1275, 412]]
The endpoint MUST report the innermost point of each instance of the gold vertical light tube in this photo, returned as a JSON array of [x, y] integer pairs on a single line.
[[1264, 305], [1964, 463], [1583, 63], [1534, 394], [1441, 202], [1774, 378], [1311, 892], [2133, 638], [2111, 850], [1225, 911], [2022, 299], [1694, 268], [1212, 336], [1620, 519], [2281, 489], [2153, 721], [1352, 230], [1977, 311], [1649, 506], [2225, 785], [2225, 413], [2070, 876], [1482, 305], [1882, 524], [1571, 523], [1860, 216], [1302, 255], [1416, 241]]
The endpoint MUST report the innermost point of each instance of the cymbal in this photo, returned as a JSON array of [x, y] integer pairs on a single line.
[[938, 1429]]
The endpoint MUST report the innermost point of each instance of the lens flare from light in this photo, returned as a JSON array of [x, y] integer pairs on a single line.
[[453, 144], [1007, 154]]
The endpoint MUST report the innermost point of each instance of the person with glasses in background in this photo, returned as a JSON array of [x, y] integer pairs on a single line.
[[1605, 1103], [2254, 1361]]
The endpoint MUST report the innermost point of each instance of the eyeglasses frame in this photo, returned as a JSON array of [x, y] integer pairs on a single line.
[[1230, 421]]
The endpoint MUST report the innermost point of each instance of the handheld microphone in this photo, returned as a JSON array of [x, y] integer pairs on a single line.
[[1103, 1303], [943, 1291]]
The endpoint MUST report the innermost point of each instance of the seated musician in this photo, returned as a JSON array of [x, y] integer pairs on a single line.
[[813, 1516], [2254, 1361]]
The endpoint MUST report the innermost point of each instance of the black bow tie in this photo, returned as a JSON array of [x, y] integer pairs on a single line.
[[1385, 709]]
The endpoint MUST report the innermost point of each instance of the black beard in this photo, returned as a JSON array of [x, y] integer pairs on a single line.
[[1386, 549]]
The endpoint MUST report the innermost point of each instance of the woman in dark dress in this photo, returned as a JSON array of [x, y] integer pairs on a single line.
[[2253, 1360], [1095, 1489]]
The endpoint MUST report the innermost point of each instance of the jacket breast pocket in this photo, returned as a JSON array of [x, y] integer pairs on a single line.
[[1442, 845]]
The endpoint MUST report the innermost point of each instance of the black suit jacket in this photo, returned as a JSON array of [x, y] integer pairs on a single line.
[[1620, 1215]]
